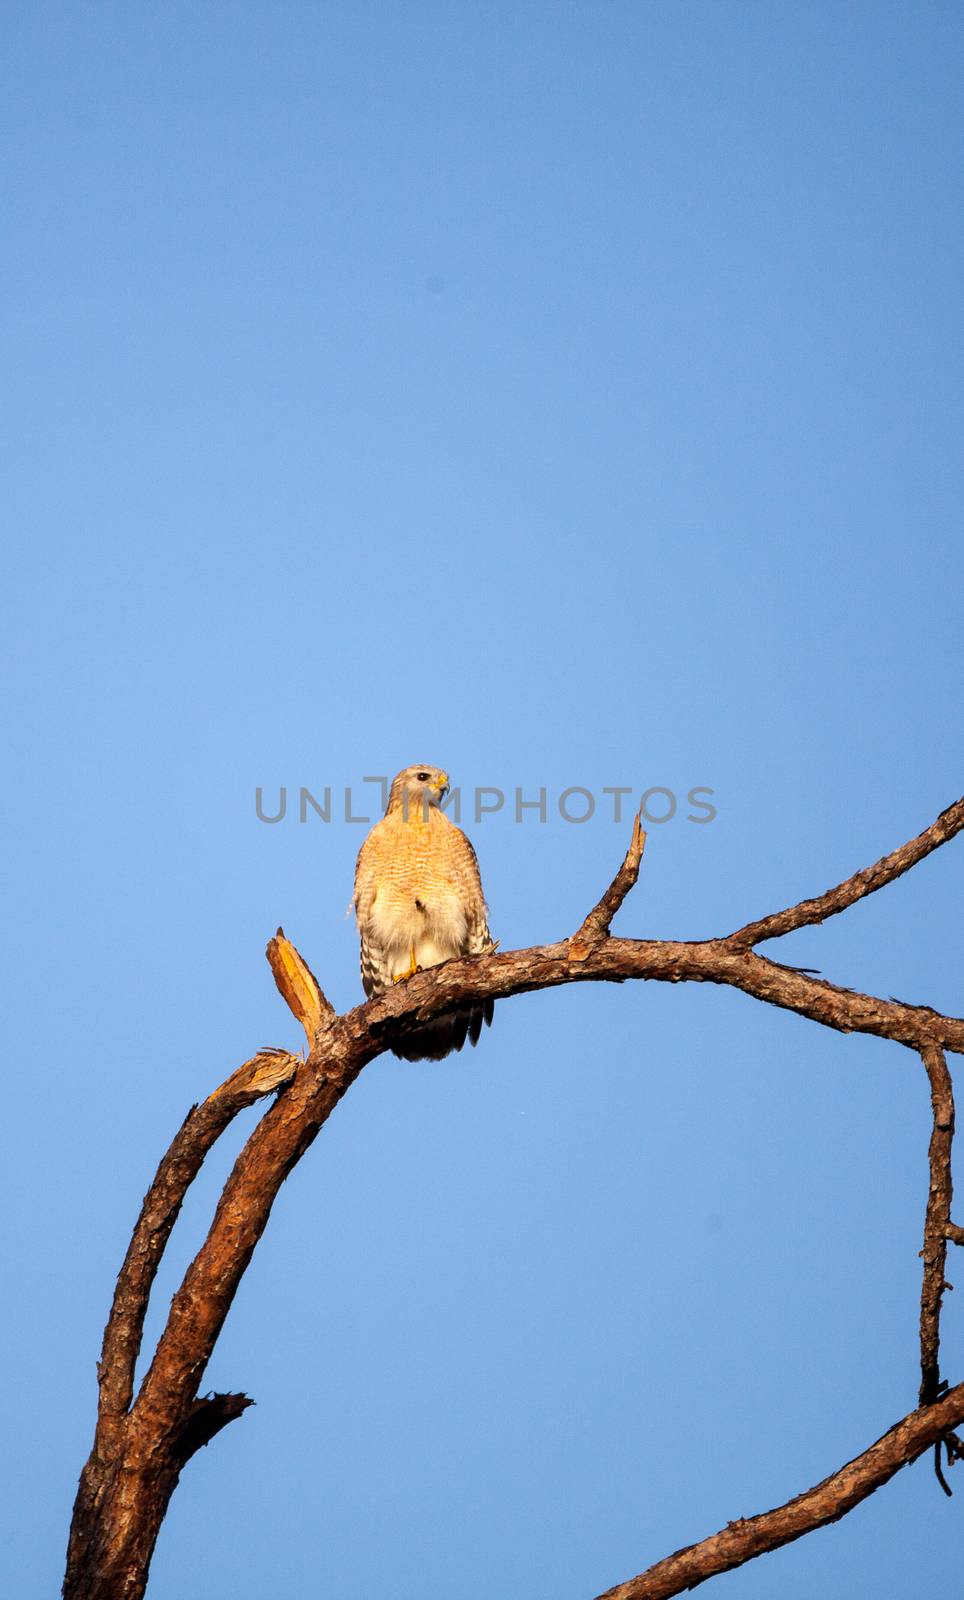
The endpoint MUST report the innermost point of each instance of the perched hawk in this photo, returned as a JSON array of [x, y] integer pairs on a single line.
[[418, 901]]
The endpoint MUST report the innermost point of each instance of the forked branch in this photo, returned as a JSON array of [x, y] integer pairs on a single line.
[[201, 1128], [142, 1443]]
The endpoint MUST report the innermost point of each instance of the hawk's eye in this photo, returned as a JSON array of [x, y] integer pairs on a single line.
[[422, 777]]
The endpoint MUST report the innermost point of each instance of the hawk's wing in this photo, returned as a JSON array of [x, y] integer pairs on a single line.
[[376, 969], [466, 872]]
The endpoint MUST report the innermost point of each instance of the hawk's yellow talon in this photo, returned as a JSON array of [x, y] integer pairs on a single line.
[[413, 967]]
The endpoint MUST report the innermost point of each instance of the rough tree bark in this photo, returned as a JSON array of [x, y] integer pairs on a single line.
[[142, 1443]]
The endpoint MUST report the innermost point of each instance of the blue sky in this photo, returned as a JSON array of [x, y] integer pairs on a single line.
[[563, 395]]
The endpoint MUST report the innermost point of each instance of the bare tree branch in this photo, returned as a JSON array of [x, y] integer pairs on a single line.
[[857, 887], [597, 923], [140, 1448], [202, 1302], [747, 1537], [298, 985], [205, 1420], [936, 1221], [201, 1128], [510, 972]]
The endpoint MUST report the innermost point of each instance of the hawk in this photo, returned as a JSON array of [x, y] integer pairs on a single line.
[[418, 901]]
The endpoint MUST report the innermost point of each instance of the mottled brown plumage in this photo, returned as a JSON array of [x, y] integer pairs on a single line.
[[418, 901]]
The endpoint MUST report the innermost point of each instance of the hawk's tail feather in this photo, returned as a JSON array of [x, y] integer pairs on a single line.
[[443, 1035], [477, 1016]]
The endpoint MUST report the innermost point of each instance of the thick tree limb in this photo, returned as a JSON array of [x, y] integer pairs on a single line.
[[140, 1448], [740, 1541], [867, 881], [510, 972]]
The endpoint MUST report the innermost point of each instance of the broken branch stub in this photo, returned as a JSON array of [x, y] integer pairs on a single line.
[[298, 986]]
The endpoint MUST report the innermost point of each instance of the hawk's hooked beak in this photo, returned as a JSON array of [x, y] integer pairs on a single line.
[[442, 786]]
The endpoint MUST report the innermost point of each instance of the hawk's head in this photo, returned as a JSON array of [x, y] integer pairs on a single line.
[[416, 788]]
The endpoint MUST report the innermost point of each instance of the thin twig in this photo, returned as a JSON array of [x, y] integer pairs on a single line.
[[856, 887], [936, 1220], [939, 1472], [747, 1537], [597, 923]]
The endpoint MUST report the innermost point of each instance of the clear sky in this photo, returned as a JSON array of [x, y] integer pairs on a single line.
[[565, 395]]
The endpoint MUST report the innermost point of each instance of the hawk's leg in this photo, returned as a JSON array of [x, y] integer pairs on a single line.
[[413, 967]]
